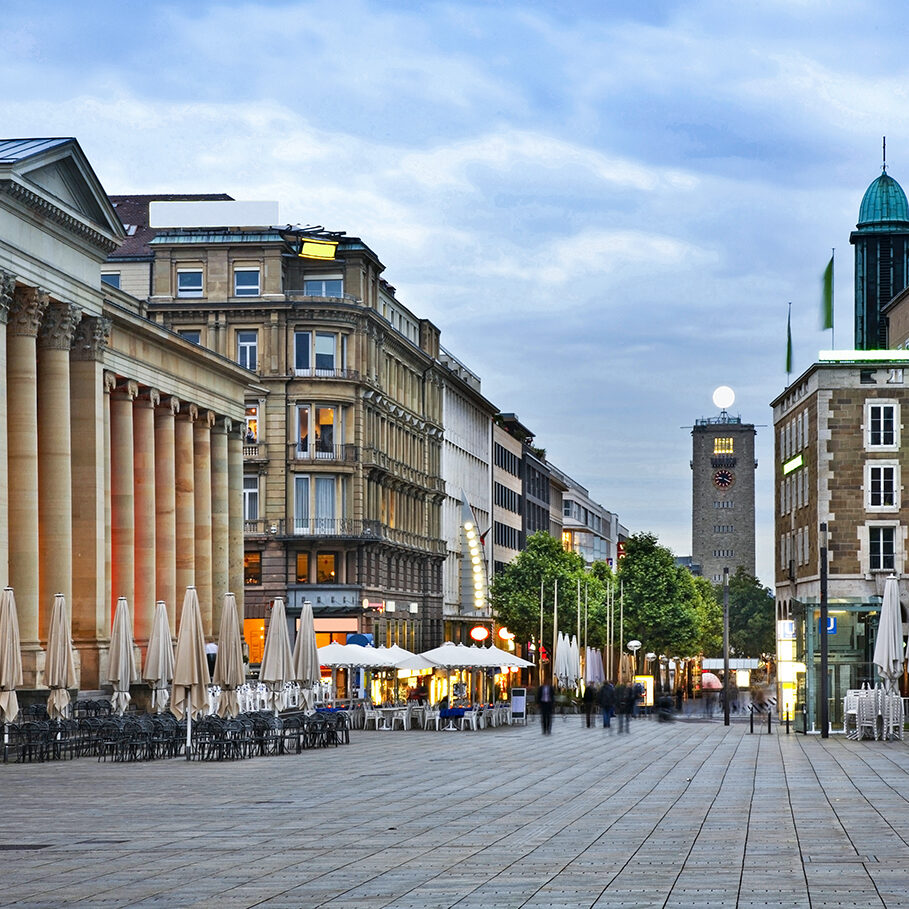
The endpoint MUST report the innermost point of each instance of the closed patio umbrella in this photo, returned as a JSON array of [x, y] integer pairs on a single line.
[[191, 678], [230, 672], [122, 672], [10, 658], [159, 658], [277, 661], [59, 668], [888, 645], [306, 668]]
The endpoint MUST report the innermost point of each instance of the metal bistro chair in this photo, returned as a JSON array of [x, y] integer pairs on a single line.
[[867, 718]]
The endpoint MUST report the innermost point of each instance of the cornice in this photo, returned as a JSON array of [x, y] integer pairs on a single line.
[[48, 210]]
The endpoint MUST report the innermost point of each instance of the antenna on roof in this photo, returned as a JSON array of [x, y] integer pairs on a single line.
[[884, 167]]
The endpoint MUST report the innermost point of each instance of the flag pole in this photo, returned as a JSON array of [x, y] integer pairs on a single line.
[[789, 345]]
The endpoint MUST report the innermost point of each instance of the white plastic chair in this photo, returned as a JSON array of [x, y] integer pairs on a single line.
[[431, 717], [469, 720], [370, 715], [404, 717]]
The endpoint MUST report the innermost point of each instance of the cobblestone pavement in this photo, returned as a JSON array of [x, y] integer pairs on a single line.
[[690, 814]]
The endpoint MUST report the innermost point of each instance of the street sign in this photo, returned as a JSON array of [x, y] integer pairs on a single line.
[[831, 625]]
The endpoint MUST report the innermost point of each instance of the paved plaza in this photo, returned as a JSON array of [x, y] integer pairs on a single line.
[[688, 813]]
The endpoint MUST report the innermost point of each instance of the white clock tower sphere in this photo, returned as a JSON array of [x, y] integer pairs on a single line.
[[724, 397]]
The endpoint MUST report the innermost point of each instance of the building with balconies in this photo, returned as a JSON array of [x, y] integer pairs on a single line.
[[342, 484]]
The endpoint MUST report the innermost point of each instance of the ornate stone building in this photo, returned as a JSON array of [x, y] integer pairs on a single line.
[[122, 456], [342, 476]]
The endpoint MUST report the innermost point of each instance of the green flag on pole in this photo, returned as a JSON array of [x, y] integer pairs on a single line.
[[827, 296], [789, 341]]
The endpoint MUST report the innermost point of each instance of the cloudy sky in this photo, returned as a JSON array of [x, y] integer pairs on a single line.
[[605, 206]]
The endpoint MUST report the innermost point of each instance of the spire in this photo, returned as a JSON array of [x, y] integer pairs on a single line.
[[884, 165]]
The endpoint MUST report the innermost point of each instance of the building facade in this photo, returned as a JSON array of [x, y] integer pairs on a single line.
[[467, 417], [122, 459], [839, 485], [589, 529], [722, 514], [342, 478]]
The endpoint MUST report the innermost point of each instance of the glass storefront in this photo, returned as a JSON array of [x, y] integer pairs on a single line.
[[851, 630]]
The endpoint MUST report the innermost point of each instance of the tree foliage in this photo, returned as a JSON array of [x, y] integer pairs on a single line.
[[665, 607], [751, 615], [516, 592]]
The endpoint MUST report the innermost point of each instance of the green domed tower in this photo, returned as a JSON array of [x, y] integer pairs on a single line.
[[881, 241]]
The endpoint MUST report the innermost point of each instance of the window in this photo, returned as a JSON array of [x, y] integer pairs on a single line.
[[318, 428], [326, 565], [252, 568], [302, 567], [111, 279], [882, 422], [881, 485], [880, 541], [193, 335], [247, 349], [246, 282], [189, 283], [722, 446], [323, 287], [252, 424], [325, 351], [251, 498], [325, 354], [319, 514]]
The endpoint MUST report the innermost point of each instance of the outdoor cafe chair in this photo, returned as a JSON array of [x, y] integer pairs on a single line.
[[404, 717], [867, 718], [431, 717], [469, 720], [370, 715]]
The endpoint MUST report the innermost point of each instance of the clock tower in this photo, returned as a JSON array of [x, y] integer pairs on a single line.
[[722, 514]]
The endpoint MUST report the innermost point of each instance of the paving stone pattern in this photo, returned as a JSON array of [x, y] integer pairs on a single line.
[[690, 813]]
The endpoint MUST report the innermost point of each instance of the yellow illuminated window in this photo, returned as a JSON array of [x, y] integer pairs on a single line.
[[722, 446], [566, 540]]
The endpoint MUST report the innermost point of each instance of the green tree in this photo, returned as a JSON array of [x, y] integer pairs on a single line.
[[710, 618], [515, 592], [661, 600], [751, 615]]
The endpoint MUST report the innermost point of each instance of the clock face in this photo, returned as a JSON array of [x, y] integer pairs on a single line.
[[723, 479]]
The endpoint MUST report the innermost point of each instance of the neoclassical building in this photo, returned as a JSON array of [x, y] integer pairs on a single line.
[[342, 484], [122, 462]]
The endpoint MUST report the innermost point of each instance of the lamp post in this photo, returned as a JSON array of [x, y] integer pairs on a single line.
[[825, 707], [634, 647], [726, 645]]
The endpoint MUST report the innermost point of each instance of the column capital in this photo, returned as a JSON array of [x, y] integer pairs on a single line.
[[27, 308], [169, 403], [7, 286], [127, 388], [110, 381], [148, 397], [208, 417], [91, 337], [222, 424], [58, 326]]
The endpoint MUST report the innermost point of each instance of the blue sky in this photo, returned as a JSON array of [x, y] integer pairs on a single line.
[[605, 207]]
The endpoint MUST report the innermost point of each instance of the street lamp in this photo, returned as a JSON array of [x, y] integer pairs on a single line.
[[634, 647]]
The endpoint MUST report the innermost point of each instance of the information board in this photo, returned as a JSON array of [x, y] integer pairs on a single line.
[[519, 705]]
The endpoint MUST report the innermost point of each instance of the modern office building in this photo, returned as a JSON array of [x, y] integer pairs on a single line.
[[467, 417], [121, 462], [588, 529]]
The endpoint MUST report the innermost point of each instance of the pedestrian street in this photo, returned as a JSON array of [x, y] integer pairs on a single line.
[[689, 813]]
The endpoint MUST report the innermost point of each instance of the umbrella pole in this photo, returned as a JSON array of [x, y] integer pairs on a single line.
[[5, 740], [189, 724]]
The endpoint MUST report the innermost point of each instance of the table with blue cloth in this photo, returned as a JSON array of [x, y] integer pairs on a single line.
[[451, 714]]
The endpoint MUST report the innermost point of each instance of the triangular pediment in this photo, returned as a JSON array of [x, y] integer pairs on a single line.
[[64, 182], [62, 175]]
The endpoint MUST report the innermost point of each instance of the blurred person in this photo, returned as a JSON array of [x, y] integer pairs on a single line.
[[545, 701]]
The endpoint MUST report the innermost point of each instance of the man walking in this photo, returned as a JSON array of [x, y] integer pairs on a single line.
[[590, 696], [545, 697], [607, 703]]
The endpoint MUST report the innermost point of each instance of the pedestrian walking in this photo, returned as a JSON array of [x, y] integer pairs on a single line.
[[606, 701], [590, 697], [545, 698]]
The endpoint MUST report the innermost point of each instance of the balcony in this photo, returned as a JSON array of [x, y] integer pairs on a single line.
[[342, 529], [375, 458], [353, 374], [320, 451], [255, 451]]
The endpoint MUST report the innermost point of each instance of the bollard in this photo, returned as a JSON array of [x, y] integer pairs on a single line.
[[787, 722], [769, 718], [751, 719]]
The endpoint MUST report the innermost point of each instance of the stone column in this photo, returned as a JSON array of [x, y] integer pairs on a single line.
[[144, 561], [220, 527], [165, 502], [185, 506], [55, 479], [7, 286], [27, 308], [202, 488], [235, 515], [122, 495], [91, 507]]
